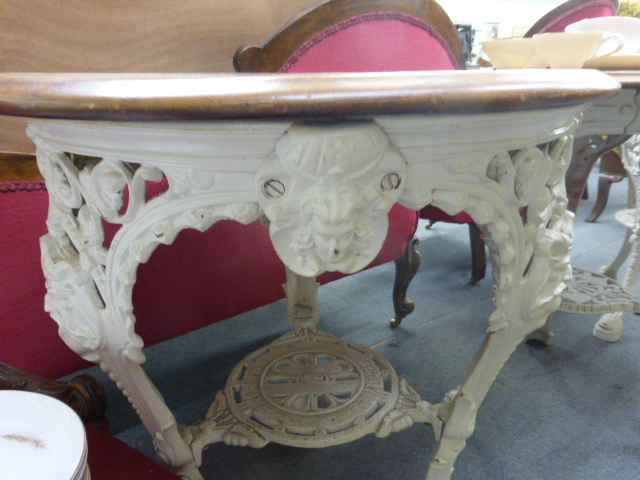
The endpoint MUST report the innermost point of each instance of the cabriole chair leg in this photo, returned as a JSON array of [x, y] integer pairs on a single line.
[[406, 269]]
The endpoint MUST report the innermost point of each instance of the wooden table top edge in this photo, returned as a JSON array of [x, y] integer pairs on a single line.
[[627, 78], [201, 97]]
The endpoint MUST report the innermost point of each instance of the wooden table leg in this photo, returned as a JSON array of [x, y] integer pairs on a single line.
[[586, 151]]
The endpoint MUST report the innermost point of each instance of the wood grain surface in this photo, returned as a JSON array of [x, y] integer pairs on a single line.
[[129, 36]]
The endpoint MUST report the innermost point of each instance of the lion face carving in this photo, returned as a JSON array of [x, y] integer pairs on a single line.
[[327, 190]]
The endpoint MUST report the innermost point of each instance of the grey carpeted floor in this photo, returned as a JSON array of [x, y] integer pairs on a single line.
[[567, 411]]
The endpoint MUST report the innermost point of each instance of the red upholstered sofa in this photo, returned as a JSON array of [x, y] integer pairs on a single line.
[[201, 279]]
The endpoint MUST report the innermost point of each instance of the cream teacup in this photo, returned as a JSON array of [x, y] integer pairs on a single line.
[[513, 53], [628, 27], [572, 49]]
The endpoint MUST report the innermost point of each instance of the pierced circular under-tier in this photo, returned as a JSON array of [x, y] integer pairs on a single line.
[[312, 389]]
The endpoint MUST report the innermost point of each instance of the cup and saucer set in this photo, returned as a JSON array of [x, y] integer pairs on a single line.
[[604, 43]]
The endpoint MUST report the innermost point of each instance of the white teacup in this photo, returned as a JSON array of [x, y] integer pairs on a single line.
[[572, 49], [513, 53], [628, 27]]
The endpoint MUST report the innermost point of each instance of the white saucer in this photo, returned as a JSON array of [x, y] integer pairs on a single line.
[[40, 438], [615, 62]]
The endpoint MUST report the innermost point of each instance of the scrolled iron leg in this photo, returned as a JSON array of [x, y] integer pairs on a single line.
[[609, 327], [460, 412], [543, 334]]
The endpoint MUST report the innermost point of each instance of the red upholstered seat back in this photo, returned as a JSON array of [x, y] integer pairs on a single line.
[[588, 10], [570, 12], [373, 42]]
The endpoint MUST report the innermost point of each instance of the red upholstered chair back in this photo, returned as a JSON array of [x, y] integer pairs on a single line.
[[359, 36], [379, 41], [571, 12]]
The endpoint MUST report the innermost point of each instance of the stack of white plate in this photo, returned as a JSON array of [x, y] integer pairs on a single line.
[[40, 439]]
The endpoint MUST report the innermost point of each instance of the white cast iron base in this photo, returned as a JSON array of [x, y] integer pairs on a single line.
[[327, 211], [310, 389]]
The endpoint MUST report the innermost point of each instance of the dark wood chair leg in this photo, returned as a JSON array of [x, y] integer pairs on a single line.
[[604, 186], [611, 171], [586, 151], [83, 393], [478, 254], [406, 269]]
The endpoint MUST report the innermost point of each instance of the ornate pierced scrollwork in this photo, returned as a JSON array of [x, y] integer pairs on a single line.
[[517, 198], [83, 191], [489, 188], [327, 191], [596, 293]]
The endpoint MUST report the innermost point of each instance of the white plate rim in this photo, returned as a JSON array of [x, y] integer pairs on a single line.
[[63, 450]]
